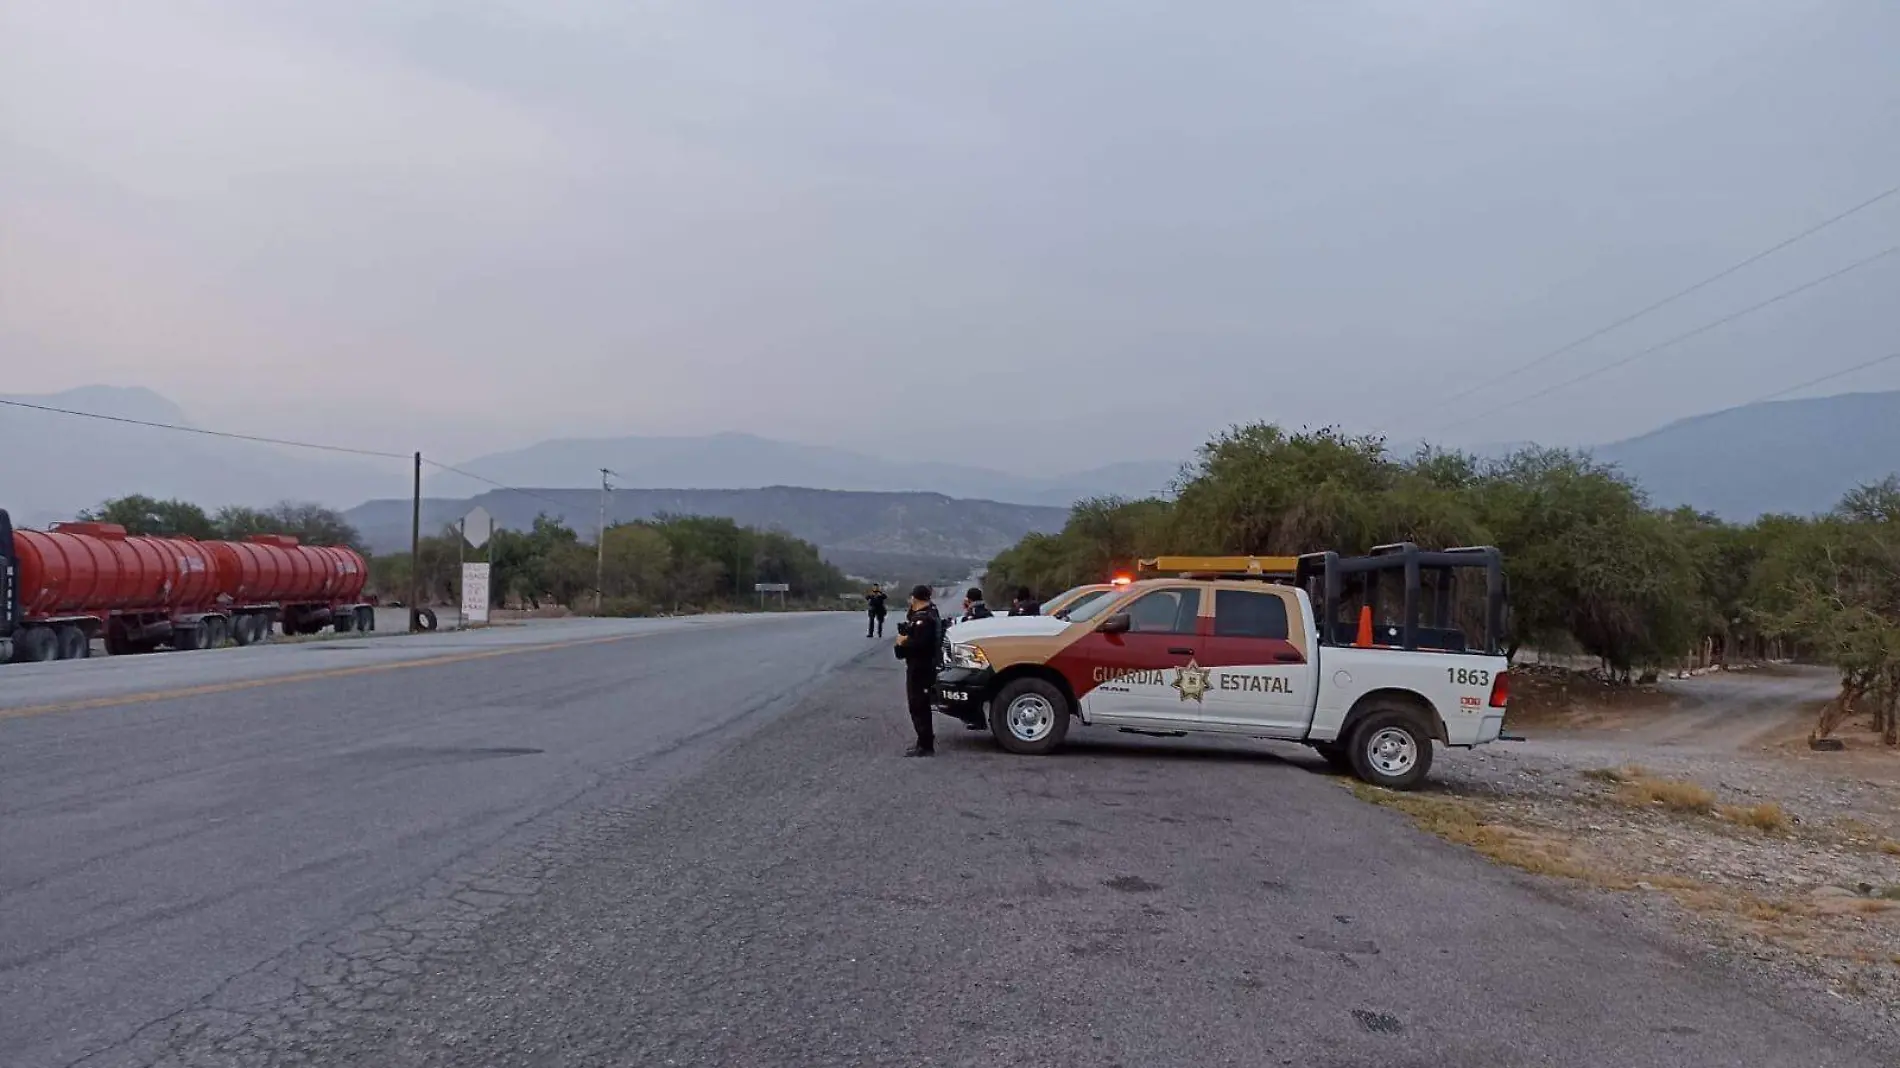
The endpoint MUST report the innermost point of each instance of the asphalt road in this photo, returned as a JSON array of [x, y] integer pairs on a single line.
[[562, 857], [156, 851]]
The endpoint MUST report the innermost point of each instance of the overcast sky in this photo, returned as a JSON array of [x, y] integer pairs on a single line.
[[1089, 230]]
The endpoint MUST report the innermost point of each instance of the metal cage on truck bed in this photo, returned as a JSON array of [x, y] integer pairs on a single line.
[[1414, 599]]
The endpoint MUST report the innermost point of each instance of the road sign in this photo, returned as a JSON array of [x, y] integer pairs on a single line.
[[477, 525], [475, 593], [772, 587]]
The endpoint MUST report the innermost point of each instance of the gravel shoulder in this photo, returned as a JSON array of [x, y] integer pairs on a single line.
[[813, 899], [1704, 817]]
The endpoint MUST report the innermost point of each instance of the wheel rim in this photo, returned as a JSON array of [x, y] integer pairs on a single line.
[[1029, 718], [1392, 751]]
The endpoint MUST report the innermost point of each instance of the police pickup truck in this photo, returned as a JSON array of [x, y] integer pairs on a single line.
[[1368, 659]]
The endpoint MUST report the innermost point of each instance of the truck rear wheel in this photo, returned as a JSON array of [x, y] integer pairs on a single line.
[[217, 632], [34, 645], [1389, 748], [1030, 716], [72, 643], [187, 639]]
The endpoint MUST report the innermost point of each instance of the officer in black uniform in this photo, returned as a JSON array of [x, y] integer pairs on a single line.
[[1025, 603], [919, 641], [874, 608]]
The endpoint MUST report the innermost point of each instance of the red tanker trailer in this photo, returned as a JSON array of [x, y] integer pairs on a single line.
[[65, 586], [271, 578], [79, 581]]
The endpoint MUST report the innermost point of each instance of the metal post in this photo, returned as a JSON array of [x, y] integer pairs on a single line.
[[415, 553], [461, 573], [600, 541]]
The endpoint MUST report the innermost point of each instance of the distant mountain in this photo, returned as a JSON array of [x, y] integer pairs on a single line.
[[873, 525], [742, 461], [1796, 456], [56, 465]]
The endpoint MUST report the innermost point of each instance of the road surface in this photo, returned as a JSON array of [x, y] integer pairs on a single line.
[[700, 847]]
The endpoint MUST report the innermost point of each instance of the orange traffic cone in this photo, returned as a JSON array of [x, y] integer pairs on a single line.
[[1364, 640]]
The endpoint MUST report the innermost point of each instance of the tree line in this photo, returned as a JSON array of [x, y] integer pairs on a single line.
[[667, 564], [1592, 566], [311, 524]]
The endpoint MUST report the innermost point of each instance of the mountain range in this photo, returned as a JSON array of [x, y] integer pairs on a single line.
[[1782, 456], [876, 535]]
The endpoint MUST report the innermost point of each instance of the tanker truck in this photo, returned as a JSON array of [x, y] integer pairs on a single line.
[[76, 582]]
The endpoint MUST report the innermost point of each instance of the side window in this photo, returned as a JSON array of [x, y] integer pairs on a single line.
[[1245, 614], [1165, 612]]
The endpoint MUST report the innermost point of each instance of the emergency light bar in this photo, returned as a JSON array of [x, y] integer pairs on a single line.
[[1229, 566]]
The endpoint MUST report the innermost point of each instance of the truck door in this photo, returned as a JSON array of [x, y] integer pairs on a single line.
[[1135, 673], [1261, 677]]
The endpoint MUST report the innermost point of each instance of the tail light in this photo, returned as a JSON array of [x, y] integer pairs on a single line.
[[1500, 689]]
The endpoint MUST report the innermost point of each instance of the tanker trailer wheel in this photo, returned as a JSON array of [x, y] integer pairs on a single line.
[[244, 629], [365, 618], [34, 645], [187, 639], [217, 632], [72, 643]]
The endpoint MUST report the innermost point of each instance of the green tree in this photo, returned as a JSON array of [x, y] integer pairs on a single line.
[[140, 514]]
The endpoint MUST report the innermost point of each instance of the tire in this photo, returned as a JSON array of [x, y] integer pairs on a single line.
[[217, 632], [244, 629], [1391, 748], [1030, 716], [425, 619], [365, 619], [34, 645], [188, 639], [344, 622], [1337, 756], [71, 643], [261, 629]]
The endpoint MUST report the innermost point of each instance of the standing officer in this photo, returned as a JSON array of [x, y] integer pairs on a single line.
[[919, 639], [1025, 603], [874, 609]]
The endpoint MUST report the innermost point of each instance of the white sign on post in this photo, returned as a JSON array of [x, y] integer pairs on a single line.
[[475, 593], [477, 525], [771, 587]]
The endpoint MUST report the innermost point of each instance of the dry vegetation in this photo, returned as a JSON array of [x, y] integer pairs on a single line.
[[1784, 860]]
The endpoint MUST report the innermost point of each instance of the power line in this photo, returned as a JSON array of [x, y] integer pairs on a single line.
[[206, 433], [497, 485], [274, 441], [1672, 298], [1679, 338], [1830, 376]]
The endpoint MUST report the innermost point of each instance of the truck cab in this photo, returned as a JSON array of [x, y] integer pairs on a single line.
[[1371, 660]]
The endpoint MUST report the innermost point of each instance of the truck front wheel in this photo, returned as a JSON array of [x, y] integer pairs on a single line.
[[1030, 716], [1390, 749]]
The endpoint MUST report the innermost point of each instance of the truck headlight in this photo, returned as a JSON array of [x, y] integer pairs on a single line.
[[967, 656]]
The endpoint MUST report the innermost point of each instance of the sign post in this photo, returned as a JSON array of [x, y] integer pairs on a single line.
[[477, 528], [780, 588]]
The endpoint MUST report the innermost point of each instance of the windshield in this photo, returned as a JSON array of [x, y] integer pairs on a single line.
[[1089, 605]]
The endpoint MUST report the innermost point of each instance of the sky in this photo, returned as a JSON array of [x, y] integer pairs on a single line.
[[1076, 233]]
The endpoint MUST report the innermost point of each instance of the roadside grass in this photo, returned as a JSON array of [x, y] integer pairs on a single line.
[[1640, 787], [1462, 823], [1767, 816]]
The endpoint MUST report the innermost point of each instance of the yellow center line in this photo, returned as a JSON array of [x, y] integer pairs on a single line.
[[307, 676]]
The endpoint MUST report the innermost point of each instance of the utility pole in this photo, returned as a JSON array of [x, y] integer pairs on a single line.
[[600, 539], [415, 552]]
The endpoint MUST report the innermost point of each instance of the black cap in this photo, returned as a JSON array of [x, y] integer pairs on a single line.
[[920, 592], [973, 594]]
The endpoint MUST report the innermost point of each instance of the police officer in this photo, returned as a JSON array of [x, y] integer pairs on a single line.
[[919, 641], [1025, 603], [973, 606], [874, 612]]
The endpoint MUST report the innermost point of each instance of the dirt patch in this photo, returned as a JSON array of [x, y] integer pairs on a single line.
[[1786, 860], [1545, 696]]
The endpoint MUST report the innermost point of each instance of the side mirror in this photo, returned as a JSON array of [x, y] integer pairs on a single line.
[[1119, 623]]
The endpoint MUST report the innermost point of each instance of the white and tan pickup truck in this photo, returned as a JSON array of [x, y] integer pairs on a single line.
[[1368, 659]]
